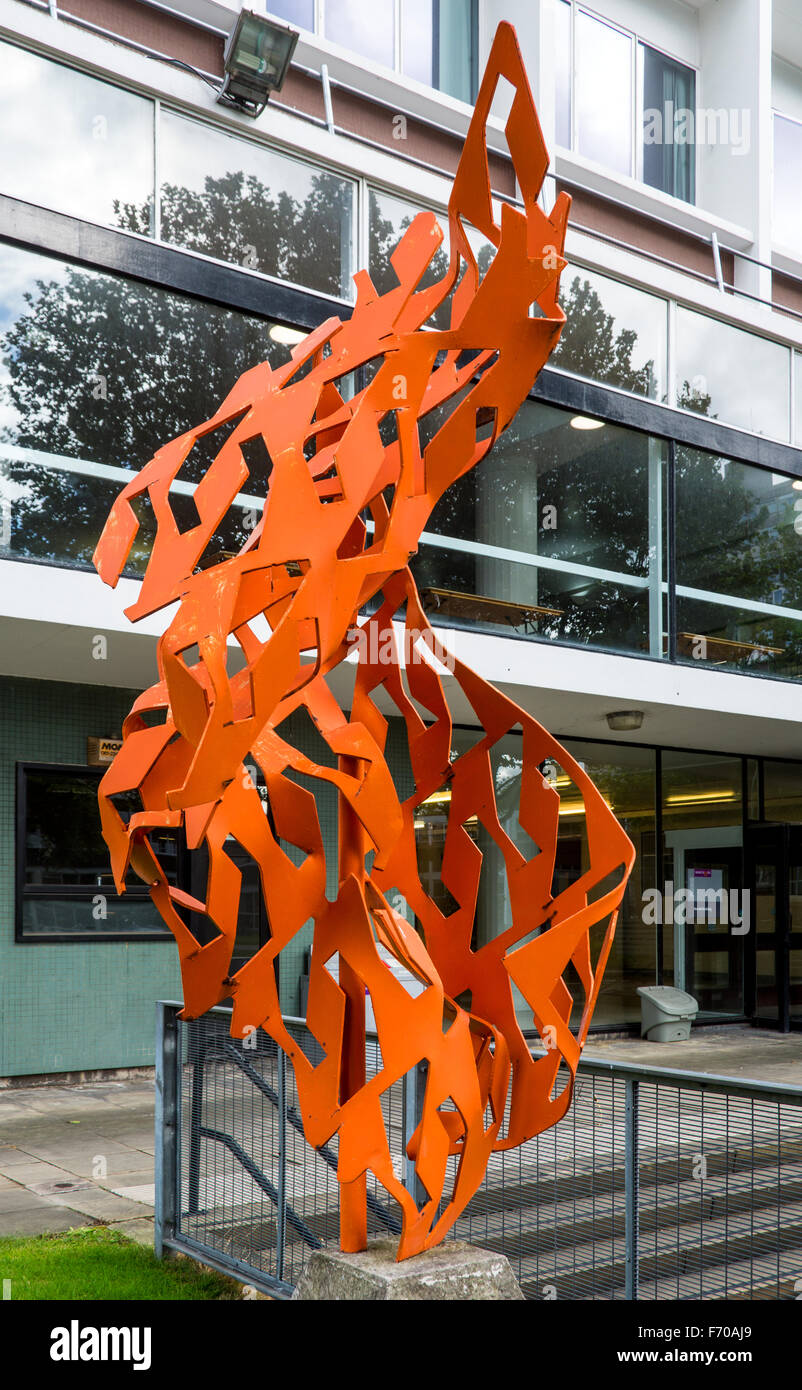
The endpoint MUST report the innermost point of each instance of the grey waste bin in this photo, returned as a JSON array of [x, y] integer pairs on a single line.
[[666, 1013]]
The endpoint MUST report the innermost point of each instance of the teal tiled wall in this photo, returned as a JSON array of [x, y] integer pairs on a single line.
[[88, 1005], [80, 1005]]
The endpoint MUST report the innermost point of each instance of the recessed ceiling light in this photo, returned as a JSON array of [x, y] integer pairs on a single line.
[[282, 333], [797, 485], [625, 720], [699, 798], [584, 422]]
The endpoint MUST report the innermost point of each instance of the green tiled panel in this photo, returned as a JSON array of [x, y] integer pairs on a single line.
[[87, 1005], [81, 1005]]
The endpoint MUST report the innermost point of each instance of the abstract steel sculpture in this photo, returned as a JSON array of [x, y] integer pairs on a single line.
[[343, 514]]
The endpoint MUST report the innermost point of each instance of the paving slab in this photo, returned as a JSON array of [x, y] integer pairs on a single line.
[[57, 1132], [115, 1183], [127, 1128], [142, 1192], [100, 1205], [41, 1220], [10, 1157], [140, 1229], [81, 1158], [34, 1172], [747, 1053], [17, 1199]]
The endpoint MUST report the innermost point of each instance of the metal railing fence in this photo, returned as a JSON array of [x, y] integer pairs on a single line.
[[658, 1184]]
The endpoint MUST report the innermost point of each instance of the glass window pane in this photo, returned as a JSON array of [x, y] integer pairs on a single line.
[[127, 915], [798, 396], [63, 849], [371, 35], [455, 48], [417, 39], [389, 219], [63, 843], [736, 538], [68, 437], [562, 73], [614, 334], [582, 508], [245, 204], [625, 777], [787, 224], [702, 849], [300, 13], [732, 375], [669, 124], [782, 792], [71, 142], [603, 93]]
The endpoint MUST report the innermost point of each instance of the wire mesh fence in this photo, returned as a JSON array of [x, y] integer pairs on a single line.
[[656, 1185]]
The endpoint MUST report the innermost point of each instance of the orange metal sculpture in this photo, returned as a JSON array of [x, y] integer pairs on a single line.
[[342, 517]]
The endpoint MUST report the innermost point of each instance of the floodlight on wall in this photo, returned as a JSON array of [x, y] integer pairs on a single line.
[[257, 57]]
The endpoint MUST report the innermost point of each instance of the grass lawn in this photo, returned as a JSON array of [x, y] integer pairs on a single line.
[[95, 1262]]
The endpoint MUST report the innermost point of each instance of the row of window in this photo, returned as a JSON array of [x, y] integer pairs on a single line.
[[432, 41], [787, 223], [626, 338], [91, 154], [561, 535], [619, 100], [614, 96], [65, 890], [633, 109]]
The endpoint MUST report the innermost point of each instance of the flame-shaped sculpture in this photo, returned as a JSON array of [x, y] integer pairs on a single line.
[[312, 563]]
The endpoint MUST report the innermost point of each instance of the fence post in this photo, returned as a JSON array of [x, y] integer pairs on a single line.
[[166, 1129], [413, 1093], [631, 1188], [281, 1185], [195, 1118]]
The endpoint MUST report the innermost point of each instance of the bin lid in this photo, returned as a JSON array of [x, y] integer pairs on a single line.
[[672, 1001]]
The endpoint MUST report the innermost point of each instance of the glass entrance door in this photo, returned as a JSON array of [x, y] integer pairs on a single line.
[[793, 953], [713, 932], [774, 868]]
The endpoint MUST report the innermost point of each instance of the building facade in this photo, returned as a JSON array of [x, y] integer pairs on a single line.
[[632, 544]]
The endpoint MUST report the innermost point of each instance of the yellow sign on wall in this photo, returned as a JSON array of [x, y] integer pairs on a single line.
[[100, 751]]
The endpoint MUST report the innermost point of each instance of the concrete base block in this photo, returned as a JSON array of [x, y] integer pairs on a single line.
[[454, 1270]]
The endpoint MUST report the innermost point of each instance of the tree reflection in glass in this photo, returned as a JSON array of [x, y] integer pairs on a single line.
[[99, 368]]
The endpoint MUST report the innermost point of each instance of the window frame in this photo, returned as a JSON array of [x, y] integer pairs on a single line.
[[208, 121], [636, 116], [319, 31], [77, 892], [640, 44], [214, 120], [792, 120]]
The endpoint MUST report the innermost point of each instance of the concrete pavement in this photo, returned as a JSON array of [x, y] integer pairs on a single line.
[[77, 1155], [81, 1154], [748, 1053]]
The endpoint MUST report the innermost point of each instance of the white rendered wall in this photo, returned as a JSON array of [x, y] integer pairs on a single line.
[[786, 88], [736, 75], [50, 620]]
